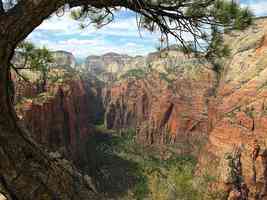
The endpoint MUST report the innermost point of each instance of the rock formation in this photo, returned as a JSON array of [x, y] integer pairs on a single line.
[[168, 104], [229, 107], [108, 66], [237, 114], [168, 98], [64, 59], [60, 118]]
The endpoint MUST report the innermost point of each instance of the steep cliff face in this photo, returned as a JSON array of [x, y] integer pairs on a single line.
[[180, 101], [238, 114], [64, 59], [168, 104], [60, 118], [174, 100], [109, 66]]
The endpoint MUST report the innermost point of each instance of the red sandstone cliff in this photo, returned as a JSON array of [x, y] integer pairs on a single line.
[[232, 115], [183, 108], [163, 108], [60, 118], [238, 115]]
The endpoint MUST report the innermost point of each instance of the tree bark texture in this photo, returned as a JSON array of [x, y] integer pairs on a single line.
[[26, 170]]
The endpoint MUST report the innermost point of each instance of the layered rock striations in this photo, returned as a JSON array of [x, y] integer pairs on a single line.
[[180, 101], [58, 117], [110, 65], [237, 115], [166, 102], [61, 118], [64, 59], [168, 98]]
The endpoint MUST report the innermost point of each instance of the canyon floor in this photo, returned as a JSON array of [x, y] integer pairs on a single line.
[[167, 126], [126, 170]]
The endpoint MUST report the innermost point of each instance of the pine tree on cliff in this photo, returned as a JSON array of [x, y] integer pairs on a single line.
[[41, 61], [26, 171], [37, 59]]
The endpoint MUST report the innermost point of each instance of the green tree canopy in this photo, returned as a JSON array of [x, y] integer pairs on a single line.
[[37, 59], [42, 61]]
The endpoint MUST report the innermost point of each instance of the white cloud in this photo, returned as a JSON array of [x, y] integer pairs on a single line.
[[123, 27], [96, 46], [64, 25], [74, 42], [258, 7], [92, 40], [121, 36]]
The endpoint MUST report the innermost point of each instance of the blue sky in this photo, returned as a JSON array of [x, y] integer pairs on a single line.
[[121, 36]]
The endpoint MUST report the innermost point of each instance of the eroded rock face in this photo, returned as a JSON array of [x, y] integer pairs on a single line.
[[163, 107], [238, 115], [110, 62], [64, 59], [179, 101], [110, 65], [60, 118], [232, 112]]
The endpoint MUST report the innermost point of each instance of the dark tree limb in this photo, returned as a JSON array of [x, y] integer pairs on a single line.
[[1, 7]]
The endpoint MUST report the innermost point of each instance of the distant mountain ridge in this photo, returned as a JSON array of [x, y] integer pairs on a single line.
[[109, 63]]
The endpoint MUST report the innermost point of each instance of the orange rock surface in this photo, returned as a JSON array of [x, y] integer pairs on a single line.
[[60, 118], [238, 115], [162, 112]]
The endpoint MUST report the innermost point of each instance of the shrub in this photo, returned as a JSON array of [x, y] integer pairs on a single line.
[[134, 73]]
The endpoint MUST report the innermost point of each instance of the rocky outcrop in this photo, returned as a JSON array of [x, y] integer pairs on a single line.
[[167, 105], [60, 118], [108, 66], [238, 114], [64, 59]]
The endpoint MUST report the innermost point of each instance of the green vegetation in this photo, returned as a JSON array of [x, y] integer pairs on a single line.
[[125, 169], [231, 14], [134, 73], [35, 59], [42, 61], [217, 48], [164, 76], [19, 17], [234, 164], [250, 111]]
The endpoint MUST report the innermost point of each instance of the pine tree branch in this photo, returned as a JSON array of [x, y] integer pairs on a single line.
[[1, 7]]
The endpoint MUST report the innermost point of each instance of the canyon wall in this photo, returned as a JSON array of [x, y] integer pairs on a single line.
[[191, 102], [64, 59], [111, 64], [60, 118], [238, 112], [168, 98], [167, 105]]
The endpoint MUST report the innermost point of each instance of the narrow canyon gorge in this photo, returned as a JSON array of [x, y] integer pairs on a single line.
[[168, 99]]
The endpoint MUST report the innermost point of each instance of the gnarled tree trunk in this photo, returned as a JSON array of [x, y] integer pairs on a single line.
[[26, 171]]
